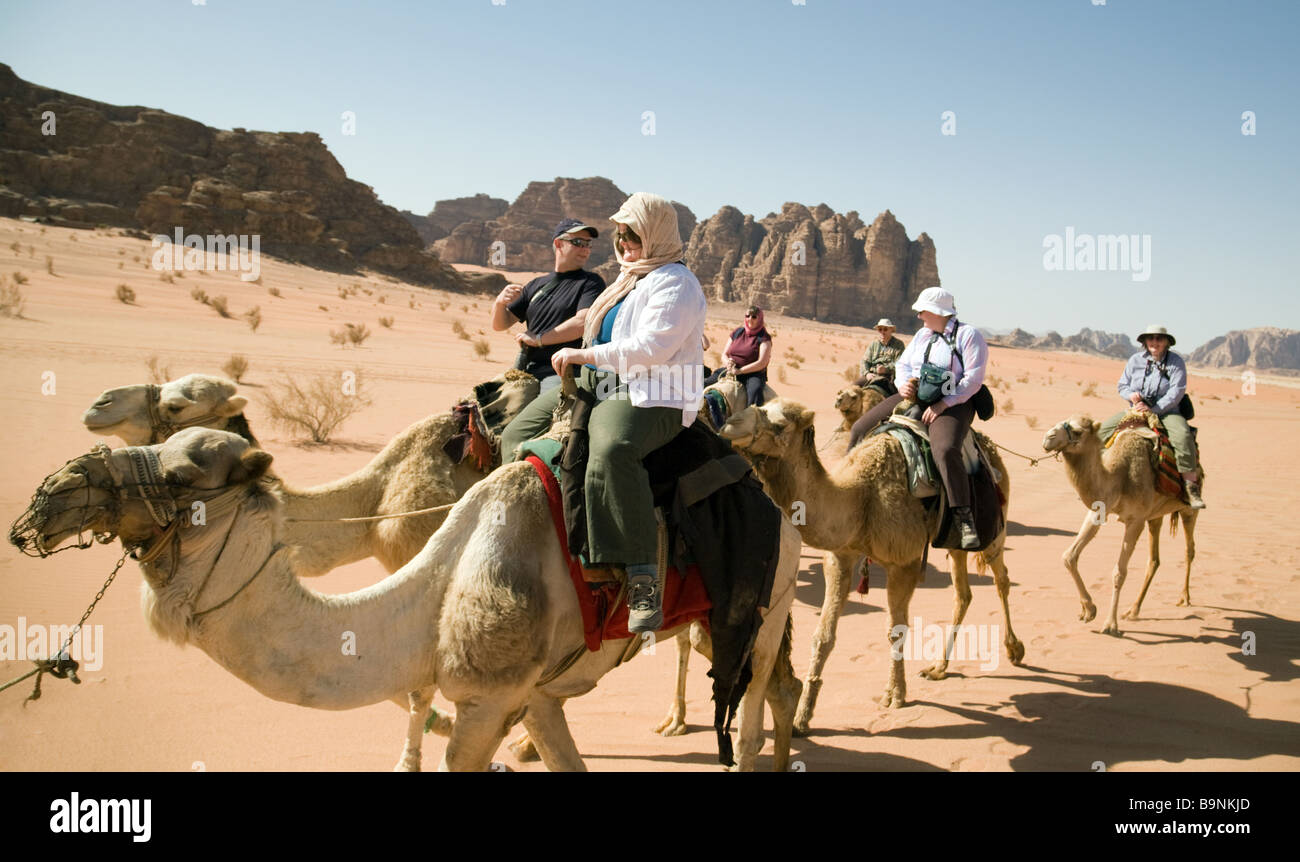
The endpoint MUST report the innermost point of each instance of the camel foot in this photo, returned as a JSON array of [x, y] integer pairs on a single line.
[[936, 673], [1112, 629], [1184, 601], [524, 750], [672, 725], [1131, 613], [1016, 652], [799, 731], [408, 764], [1088, 613], [892, 699]]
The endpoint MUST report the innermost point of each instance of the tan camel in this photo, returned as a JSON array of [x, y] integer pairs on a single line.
[[853, 401], [862, 508], [485, 612], [1118, 482], [411, 473]]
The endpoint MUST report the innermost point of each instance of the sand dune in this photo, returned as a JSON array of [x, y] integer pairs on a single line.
[[1175, 692]]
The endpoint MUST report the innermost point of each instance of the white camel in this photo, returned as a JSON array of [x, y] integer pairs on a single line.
[[485, 612]]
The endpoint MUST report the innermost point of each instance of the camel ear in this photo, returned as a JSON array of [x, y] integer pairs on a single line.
[[1094, 426], [253, 464], [233, 406]]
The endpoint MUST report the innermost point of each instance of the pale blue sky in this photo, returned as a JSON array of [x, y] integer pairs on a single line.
[[1115, 119]]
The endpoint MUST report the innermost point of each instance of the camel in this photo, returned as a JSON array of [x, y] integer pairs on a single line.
[[863, 507], [1121, 480], [412, 472], [486, 611], [853, 401]]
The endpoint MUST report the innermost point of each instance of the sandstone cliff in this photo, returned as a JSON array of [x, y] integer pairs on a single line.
[[1265, 347], [1114, 344], [139, 168]]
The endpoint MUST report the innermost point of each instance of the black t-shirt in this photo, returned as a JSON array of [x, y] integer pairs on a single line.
[[563, 295]]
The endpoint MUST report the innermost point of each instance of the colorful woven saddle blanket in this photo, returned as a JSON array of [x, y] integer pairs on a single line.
[[1163, 462]]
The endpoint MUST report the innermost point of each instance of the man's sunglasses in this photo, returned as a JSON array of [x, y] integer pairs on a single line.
[[628, 236], [580, 243]]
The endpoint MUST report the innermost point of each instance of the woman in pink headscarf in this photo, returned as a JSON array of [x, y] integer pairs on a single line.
[[748, 351]]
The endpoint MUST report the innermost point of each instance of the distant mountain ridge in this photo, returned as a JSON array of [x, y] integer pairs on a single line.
[[1264, 347], [1087, 340]]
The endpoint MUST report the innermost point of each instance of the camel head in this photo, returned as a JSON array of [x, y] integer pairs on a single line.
[[135, 492], [849, 402], [504, 396], [1070, 434], [776, 428], [145, 413]]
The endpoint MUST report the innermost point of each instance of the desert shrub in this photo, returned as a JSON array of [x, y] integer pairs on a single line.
[[253, 317], [125, 294], [780, 374], [220, 305], [73, 238], [464, 309], [198, 294], [49, 264], [386, 322], [236, 367], [482, 347], [323, 307], [993, 381], [19, 278], [851, 373], [202, 272], [382, 299], [12, 301], [15, 247], [411, 302], [166, 277], [459, 329], [158, 373], [1031, 421], [120, 265], [314, 407], [135, 258], [343, 293], [1008, 406], [178, 273], [1024, 378], [274, 291], [442, 306], [351, 333], [1090, 389]]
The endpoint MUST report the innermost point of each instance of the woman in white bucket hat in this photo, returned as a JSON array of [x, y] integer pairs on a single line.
[[960, 350]]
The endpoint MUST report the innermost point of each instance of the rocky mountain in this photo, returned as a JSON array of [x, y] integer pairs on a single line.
[[1266, 347], [1087, 340], [78, 162], [524, 229], [447, 215], [814, 263]]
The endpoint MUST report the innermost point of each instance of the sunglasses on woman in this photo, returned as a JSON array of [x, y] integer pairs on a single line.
[[626, 236]]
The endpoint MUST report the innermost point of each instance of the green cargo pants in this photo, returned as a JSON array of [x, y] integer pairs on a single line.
[[1180, 437], [532, 422]]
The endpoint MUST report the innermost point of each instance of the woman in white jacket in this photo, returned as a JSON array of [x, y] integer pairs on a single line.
[[642, 359]]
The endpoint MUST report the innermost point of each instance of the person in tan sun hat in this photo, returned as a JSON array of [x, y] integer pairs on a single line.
[[1155, 381], [877, 365]]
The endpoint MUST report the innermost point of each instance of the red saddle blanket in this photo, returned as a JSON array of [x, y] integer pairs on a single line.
[[604, 618]]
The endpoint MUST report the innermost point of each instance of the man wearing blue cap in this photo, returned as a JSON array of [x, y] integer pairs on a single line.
[[554, 306]]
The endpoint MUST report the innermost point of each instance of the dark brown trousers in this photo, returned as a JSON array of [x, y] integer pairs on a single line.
[[946, 434]]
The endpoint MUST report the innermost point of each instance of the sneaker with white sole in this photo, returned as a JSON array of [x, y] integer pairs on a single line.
[[644, 603]]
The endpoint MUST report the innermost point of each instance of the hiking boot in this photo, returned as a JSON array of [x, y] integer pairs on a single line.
[[970, 539], [1194, 495], [644, 603]]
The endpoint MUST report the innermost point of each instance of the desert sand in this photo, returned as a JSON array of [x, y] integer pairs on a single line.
[[1175, 692]]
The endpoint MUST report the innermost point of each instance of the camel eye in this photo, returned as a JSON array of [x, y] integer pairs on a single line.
[[103, 402]]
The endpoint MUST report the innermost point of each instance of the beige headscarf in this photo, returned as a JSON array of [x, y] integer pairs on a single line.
[[655, 220]]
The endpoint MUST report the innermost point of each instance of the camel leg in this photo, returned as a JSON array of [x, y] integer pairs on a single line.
[[900, 582], [1153, 563], [997, 562], [960, 602], [549, 730], [419, 705], [1189, 530], [1071, 560], [783, 690], [839, 570], [1132, 531], [481, 724], [674, 724], [769, 646]]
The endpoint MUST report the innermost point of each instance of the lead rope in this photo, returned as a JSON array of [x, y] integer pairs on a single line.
[[1033, 462]]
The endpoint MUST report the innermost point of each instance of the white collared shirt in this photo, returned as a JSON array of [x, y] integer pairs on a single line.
[[656, 343]]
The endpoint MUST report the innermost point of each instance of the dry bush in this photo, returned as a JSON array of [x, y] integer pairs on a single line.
[[352, 333], [323, 307], [19, 278], [220, 305], [202, 272], [135, 258], [780, 374], [274, 291], [12, 301], [236, 367], [166, 277], [198, 294], [72, 238], [1031, 421], [367, 291], [125, 294], [442, 306], [795, 364], [411, 302], [1024, 378], [1008, 406], [482, 347], [315, 407], [464, 309], [459, 329], [120, 265], [179, 273], [253, 317], [1090, 389], [121, 252], [386, 322], [343, 293], [158, 373], [49, 264], [382, 299], [993, 381], [851, 373], [15, 248]]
